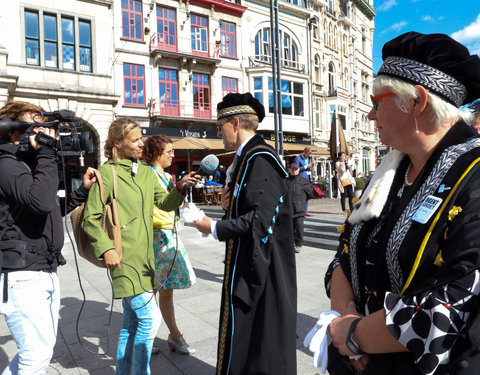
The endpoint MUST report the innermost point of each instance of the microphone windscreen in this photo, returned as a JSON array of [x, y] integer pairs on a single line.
[[209, 163]]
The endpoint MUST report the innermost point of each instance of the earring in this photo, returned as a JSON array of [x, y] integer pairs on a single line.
[[416, 125]]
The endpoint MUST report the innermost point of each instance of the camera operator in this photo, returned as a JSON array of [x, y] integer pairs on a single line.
[[31, 237]]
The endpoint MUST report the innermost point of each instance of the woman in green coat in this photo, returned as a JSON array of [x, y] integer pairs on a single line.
[[132, 274]]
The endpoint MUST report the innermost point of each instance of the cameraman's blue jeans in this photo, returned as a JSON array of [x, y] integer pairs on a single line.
[[31, 313], [141, 319]]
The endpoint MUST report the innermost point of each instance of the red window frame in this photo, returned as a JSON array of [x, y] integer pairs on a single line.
[[226, 37], [134, 80], [201, 96], [167, 41], [132, 15], [228, 86], [170, 105], [196, 29]]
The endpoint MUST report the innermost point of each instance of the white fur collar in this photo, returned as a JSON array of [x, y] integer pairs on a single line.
[[374, 198]]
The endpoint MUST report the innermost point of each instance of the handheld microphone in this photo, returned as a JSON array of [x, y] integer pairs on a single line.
[[207, 166], [62, 114]]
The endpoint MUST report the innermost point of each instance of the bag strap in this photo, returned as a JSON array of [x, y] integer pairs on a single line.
[[114, 175], [100, 184]]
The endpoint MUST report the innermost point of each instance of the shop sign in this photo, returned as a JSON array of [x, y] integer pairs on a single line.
[[180, 132], [290, 138]]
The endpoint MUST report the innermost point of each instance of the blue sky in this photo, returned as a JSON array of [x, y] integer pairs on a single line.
[[459, 19]]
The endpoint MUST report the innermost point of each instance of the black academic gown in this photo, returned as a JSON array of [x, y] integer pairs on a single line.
[[259, 295]]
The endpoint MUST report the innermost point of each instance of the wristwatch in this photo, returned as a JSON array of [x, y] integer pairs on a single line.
[[350, 342]]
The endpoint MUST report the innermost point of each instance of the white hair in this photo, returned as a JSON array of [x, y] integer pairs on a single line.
[[439, 110]]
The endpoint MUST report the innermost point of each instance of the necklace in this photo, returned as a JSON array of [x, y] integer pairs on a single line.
[[406, 176]]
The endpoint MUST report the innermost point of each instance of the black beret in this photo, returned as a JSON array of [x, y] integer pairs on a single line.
[[435, 61], [238, 104]]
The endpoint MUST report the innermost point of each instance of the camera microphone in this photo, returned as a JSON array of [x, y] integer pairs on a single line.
[[62, 114], [7, 125]]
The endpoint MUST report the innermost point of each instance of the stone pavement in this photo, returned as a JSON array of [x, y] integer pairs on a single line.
[[197, 310]]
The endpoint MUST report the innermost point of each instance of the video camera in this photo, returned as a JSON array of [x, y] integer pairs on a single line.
[[71, 141]]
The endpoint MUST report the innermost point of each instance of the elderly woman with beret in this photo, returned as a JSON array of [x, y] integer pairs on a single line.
[[406, 277]]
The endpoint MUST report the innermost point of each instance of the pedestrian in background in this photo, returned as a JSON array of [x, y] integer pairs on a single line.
[[220, 176], [133, 275], [304, 162], [344, 181], [172, 266], [300, 191]]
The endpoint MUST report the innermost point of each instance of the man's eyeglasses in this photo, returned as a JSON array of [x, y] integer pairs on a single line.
[[169, 153], [375, 99], [219, 126]]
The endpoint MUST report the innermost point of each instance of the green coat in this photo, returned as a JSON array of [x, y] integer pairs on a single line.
[[136, 196]]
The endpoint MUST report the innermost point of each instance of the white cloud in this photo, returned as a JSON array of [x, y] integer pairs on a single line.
[[386, 5], [470, 33], [427, 18], [399, 25], [395, 27]]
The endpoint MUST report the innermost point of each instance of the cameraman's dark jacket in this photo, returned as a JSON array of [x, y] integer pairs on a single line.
[[29, 195]]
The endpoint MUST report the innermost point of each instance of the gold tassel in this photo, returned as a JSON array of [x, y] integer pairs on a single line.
[[439, 260]]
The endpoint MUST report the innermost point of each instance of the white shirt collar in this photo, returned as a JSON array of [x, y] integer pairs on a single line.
[[240, 149]]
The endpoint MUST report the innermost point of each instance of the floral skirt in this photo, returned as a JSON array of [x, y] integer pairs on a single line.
[[172, 268]]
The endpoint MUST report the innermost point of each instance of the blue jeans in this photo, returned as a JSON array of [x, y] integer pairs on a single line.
[[141, 319], [31, 313]]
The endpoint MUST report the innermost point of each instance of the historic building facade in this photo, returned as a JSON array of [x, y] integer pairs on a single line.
[[166, 65]]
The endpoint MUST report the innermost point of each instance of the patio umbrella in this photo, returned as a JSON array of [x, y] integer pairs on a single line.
[[337, 142]]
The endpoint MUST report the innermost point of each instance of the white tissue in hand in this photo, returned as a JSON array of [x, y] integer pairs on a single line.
[[192, 213], [318, 339]]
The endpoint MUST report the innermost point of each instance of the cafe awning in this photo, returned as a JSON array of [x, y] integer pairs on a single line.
[[190, 143]]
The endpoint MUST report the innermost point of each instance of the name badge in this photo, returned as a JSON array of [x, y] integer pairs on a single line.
[[427, 209]]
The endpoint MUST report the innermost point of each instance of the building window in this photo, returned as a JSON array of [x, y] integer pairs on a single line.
[[325, 32], [317, 76], [199, 30], [331, 79], [334, 37], [292, 97], [68, 43], [317, 114], [344, 45], [201, 96], [364, 42], [366, 160], [134, 83], [258, 89], [228, 36], [32, 40], [168, 84], [132, 20], [289, 53], [345, 79], [85, 45], [167, 29], [316, 35], [50, 40], [229, 85], [58, 32]]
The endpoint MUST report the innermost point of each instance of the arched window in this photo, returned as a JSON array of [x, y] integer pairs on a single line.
[[331, 79], [344, 44], [288, 52]]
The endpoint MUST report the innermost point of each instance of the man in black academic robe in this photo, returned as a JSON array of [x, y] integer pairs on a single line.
[[259, 297]]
